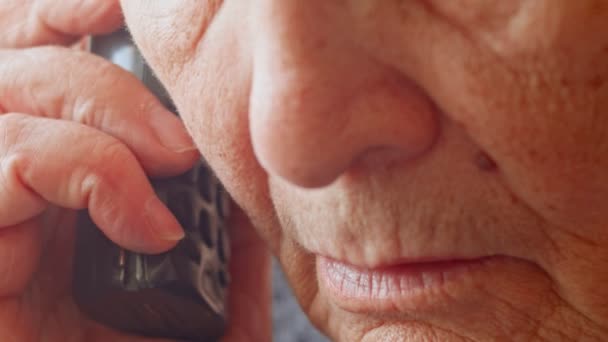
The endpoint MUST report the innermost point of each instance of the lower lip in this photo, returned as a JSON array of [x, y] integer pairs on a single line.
[[405, 287]]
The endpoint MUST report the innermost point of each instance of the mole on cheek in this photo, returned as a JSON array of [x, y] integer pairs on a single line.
[[484, 162]]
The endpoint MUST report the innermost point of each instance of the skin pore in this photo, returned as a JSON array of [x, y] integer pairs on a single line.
[[353, 130]]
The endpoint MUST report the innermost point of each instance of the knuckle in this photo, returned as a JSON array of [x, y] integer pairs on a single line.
[[114, 163], [116, 153], [14, 187], [88, 112], [102, 182], [101, 90], [13, 129], [99, 102], [11, 167]]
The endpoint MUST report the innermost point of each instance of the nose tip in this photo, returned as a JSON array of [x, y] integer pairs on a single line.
[[318, 105], [309, 134]]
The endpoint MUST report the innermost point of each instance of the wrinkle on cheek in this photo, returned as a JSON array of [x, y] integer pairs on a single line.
[[520, 27], [169, 32], [485, 15], [540, 116], [489, 21]]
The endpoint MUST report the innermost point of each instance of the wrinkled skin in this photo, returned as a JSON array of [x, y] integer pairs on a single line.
[[77, 132], [356, 130]]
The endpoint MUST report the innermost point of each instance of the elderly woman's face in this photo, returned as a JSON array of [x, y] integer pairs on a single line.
[[431, 170]]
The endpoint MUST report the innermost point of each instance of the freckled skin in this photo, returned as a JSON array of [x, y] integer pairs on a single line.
[[355, 127]]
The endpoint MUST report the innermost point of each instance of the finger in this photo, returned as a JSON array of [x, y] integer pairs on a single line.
[[41, 22], [81, 17], [74, 166], [73, 85]]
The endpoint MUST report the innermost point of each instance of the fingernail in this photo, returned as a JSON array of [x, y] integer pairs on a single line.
[[171, 131], [166, 227]]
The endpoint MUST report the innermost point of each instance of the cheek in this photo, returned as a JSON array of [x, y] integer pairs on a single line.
[[168, 32], [532, 98], [198, 49], [535, 102], [546, 128], [513, 28]]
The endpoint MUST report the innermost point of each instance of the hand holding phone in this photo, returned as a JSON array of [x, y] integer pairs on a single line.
[[178, 294]]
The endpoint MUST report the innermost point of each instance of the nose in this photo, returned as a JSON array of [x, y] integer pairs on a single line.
[[320, 105]]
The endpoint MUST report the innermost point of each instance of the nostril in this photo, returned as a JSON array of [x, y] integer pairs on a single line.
[[380, 157], [307, 168]]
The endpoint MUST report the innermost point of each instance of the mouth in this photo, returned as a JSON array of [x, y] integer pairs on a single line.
[[403, 287]]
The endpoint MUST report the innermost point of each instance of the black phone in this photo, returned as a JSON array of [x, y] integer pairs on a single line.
[[180, 294]]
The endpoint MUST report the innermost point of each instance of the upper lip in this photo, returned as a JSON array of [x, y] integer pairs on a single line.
[[381, 263], [376, 254]]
